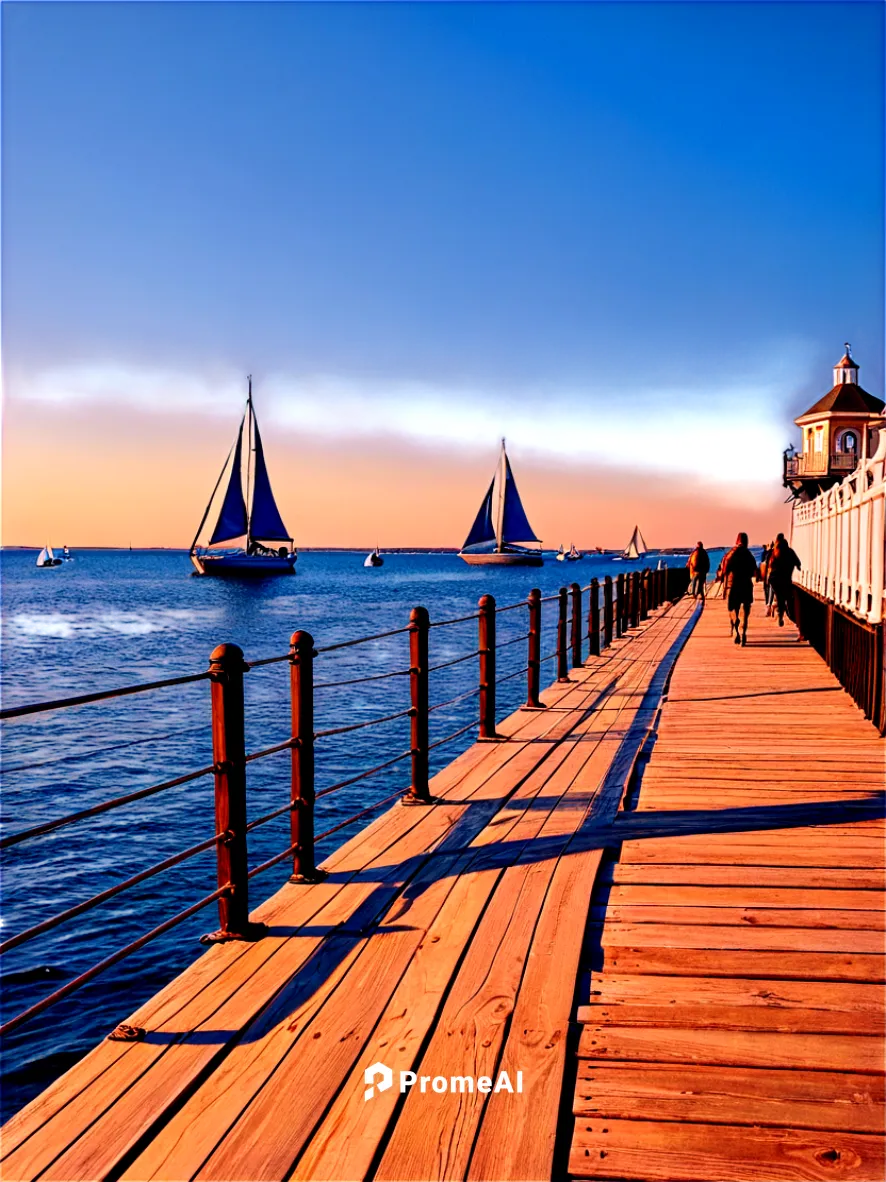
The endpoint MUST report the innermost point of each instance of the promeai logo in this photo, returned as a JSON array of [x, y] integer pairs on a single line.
[[380, 1077], [380, 1073]]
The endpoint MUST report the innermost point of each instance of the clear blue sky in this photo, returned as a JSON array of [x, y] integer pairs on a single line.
[[613, 206]]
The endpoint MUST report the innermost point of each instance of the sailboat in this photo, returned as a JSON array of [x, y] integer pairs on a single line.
[[46, 558], [501, 534], [255, 518], [374, 559], [561, 554], [573, 554], [636, 547]]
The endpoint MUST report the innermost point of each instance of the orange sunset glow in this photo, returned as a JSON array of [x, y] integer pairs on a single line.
[[81, 477]]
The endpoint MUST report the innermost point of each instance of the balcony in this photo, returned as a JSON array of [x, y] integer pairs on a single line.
[[816, 463]]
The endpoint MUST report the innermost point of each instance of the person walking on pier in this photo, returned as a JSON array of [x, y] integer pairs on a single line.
[[780, 571], [699, 564], [738, 571]]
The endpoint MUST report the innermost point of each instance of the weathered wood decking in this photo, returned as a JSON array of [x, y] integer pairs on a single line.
[[735, 1020], [454, 941]]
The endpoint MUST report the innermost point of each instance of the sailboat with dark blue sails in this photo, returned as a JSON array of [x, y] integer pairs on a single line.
[[254, 517], [501, 534]]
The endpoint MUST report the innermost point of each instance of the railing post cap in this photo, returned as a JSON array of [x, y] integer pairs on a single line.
[[534, 594], [486, 603], [226, 654], [419, 615], [301, 640]]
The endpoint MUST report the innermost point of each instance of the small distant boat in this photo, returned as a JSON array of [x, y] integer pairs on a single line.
[[254, 517], [67, 555], [573, 554], [561, 554], [374, 559], [46, 558], [635, 548], [501, 534]]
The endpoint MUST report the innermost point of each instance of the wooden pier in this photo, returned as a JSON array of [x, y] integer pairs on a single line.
[[667, 916]]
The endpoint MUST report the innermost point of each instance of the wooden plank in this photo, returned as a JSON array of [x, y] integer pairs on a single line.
[[653, 1151], [725, 1017], [612, 989], [757, 855], [716, 874], [803, 966], [730, 1095], [743, 1048], [651, 935], [788, 917], [746, 896]]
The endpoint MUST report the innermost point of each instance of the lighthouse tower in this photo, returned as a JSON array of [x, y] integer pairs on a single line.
[[837, 433]]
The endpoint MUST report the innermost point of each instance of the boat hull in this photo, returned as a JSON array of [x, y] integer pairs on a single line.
[[502, 559], [243, 566]]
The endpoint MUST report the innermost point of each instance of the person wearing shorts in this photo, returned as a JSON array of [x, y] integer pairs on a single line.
[[739, 570]]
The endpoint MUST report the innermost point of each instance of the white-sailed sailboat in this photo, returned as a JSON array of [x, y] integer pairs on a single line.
[[572, 554], [255, 517], [636, 547], [374, 559], [561, 554], [46, 558], [501, 534]]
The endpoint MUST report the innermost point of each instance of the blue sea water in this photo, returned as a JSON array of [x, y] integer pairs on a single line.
[[113, 618]]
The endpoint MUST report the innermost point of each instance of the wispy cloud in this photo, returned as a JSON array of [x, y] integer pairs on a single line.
[[728, 432]]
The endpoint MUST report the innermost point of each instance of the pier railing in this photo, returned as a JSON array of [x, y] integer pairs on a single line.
[[591, 617], [840, 591]]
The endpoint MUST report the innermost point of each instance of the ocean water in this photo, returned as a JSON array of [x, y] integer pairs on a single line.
[[113, 618]]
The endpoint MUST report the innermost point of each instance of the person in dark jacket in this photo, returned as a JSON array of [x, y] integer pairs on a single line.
[[739, 572], [699, 564], [780, 569]]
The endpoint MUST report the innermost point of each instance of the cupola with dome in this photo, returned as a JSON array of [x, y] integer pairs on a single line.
[[837, 433]]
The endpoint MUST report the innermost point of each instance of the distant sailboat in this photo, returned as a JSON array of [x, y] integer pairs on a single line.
[[636, 547], [46, 558], [255, 518], [561, 554], [573, 554], [501, 534], [374, 559]]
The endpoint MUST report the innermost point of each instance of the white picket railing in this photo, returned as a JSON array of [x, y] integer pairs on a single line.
[[840, 538]]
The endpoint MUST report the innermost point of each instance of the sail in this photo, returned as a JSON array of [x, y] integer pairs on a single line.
[[43, 556], [482, 530], [232, 518], [264, 521], [515, 524], [636, 547]]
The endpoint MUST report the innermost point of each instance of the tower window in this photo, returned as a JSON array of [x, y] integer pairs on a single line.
[[849, 442]]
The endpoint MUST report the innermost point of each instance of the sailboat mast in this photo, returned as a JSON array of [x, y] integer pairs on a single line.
[[500, 499], [249, 465]]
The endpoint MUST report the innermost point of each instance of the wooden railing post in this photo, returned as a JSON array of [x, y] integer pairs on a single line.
[[419, 622], [635, 599], [594, 619], [646, 595], [533, 665], [301, 816], [608, 620], [575, 638], [226, 668], [562, 649], [620, 617], [486, 645]]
